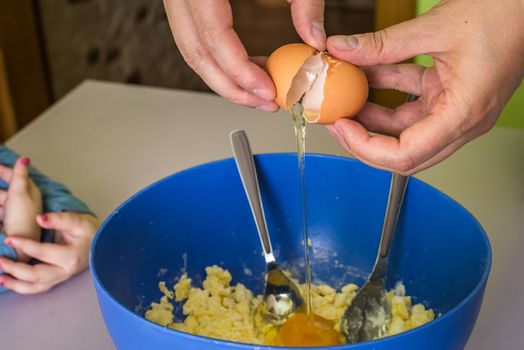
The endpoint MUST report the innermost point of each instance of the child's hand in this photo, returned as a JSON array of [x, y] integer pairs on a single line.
[[20, 204], [59, 261]]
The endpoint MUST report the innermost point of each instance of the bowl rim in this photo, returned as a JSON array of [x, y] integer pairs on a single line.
[[245, 346]]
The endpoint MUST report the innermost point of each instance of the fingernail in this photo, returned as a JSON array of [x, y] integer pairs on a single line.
[[344, 42], [266, 108], [1, 283], [263, 93], [26, 161], [44, 217], [318, 31], [8, 241]]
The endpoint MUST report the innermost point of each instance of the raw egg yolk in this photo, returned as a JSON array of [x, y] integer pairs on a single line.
[[302, 329]]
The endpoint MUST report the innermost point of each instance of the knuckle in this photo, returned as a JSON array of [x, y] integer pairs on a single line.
[[6, 266], [238, 99], [239, 76], [378, 41], [42, 288], [245, 99], [35, 190], [210, 37], [405, 164], [74, 264], [33, 277], [470, 123], [56, 216], [27, 290], [397, 83], [485, 127], [478, 122], [195, 59]]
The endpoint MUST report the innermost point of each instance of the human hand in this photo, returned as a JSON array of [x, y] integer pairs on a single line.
[[59, 261], [20, 204], [203, 31], [478, 48]]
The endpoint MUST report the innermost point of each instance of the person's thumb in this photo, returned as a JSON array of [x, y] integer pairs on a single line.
[[390, 45]]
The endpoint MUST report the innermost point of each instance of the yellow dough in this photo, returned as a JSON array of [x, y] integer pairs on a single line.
[[220, 310]]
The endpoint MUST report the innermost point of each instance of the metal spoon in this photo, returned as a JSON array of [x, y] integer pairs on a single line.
[[281, 295], [367, 315], [369, 312]]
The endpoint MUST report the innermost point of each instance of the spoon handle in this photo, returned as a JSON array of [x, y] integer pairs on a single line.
[[396, 196], [248, 175], [397, 190]]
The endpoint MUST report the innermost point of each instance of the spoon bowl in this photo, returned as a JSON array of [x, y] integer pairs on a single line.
[[369, 312], [281, 295]]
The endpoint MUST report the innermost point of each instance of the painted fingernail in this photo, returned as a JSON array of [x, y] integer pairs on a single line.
[[10, 241], [264, 94], [1, 283], [26, 161], [344, 42], [318, 31], [44, 217]]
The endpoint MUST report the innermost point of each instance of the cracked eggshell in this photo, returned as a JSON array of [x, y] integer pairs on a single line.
[[345, 88], [282, 66], [345, 91]]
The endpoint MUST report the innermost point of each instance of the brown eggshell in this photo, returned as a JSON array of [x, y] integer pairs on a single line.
[[345, 91], [282, 66]]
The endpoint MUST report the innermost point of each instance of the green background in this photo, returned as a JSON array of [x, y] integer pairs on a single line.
[[513, 113]]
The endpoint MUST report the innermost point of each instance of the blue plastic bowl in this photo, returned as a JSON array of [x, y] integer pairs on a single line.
[[200, 217]]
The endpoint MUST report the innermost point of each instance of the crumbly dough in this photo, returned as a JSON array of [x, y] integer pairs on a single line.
[[220, 310]]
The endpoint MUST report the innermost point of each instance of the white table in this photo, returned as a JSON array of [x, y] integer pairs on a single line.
[[106, 141]]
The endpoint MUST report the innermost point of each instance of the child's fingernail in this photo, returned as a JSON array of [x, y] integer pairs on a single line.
[[44, 217], [9, 241], [1, 283], [26, 161]]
